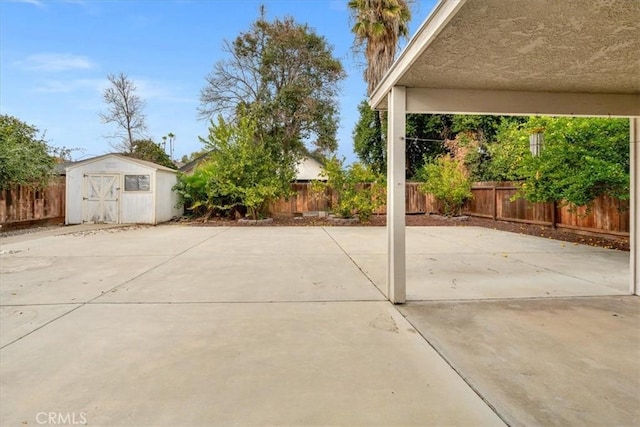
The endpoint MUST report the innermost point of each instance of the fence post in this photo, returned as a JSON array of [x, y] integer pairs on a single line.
[[554, 220], [495, 203]]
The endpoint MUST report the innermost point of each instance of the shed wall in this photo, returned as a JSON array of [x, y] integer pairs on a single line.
[[166, 198], [135, 207]]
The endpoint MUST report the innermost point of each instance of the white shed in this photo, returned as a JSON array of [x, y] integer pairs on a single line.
[[117, 189]]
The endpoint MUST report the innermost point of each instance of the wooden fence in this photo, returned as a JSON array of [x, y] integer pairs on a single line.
[[493, 200], [22, 206], [605, 215], [305, 200]]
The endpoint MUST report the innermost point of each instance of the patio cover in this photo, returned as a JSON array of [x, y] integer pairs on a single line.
[[516, 57]]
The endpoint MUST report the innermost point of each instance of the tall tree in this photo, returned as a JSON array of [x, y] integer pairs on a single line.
[[378, 27], [125, 110], [284, 75]]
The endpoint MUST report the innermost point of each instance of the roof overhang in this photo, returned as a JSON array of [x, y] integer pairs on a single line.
[[569, 57]]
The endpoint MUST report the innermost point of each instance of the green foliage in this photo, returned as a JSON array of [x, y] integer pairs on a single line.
[[448, 181], [368, 141], [240, 171], [425, 137], [146, 149], [426, 134], [582, 159], [357, 189], [484, 127], [197, 194], [24, 156], [287, 77], [474, 140], [508, 152], [378, 27]]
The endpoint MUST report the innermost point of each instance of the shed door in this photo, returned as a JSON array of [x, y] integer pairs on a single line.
[[101, 198]]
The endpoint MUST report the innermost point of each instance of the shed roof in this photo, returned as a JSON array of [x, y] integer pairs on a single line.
[[145, 163], [189, 167]]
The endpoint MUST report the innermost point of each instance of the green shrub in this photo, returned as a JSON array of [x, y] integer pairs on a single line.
[[449, 183], [241, 171], [24, 155], [357, 189], [582, 159]]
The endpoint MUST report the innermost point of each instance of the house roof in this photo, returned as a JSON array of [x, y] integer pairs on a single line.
[[190, 166], [524, 47], [145, 163]]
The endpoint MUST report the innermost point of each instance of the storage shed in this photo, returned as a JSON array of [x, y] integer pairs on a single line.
[[117, 189]]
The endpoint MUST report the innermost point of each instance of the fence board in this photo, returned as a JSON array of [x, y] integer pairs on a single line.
[[21, 204]]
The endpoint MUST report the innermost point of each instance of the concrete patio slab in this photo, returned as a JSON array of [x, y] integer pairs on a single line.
[[604, 267], [450, 263], [570, 362], [477, 276], [351, 363], [144, 241], [18, 321], [250, 278], [284, 326], [67, 279], [249, 240]]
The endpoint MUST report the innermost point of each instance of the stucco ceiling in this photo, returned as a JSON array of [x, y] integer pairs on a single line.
[[575, 46]]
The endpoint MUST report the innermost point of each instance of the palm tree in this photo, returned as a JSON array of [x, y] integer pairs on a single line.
[[378, 27]]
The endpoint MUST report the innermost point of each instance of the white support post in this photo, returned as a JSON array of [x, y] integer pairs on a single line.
[[634, 213], [396, 262]]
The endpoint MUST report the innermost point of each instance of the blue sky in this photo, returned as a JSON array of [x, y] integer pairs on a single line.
[[55, 56]]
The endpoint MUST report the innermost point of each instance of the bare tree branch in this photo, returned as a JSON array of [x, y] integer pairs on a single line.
[[125, 111]]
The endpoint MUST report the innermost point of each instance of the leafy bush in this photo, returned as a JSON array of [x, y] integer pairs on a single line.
[[241, 171], [357, 189], [24, 156], [448, 181], [198, 195], [582, 159]]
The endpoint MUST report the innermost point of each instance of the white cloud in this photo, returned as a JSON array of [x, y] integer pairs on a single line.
[[59, 86], [52, 62], [38, 3], [43, 3], [161, 91]]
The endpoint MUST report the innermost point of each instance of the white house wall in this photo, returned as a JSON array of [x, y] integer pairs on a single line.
[[166, 198], [309, 169]]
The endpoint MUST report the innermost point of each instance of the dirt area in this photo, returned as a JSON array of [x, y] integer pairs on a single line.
[[609, 242], [619, 243]]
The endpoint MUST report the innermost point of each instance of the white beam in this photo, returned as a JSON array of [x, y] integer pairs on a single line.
[[396, 257], [518, 103], [634, 214]]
